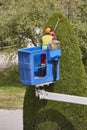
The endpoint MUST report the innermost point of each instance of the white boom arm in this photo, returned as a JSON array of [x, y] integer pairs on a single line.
[[61, 97]]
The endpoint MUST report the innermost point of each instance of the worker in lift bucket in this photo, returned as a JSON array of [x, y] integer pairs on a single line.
[[50, 39], [46, 40]]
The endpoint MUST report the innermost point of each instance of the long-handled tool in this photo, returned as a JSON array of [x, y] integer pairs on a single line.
[[58, 20]]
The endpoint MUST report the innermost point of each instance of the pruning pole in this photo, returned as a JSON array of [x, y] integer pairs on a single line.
[[56, 24]]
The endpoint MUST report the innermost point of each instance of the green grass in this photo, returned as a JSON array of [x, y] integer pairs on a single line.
[[11, 91]]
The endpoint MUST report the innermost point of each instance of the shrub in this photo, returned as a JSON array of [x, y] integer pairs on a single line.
[[47, 115]]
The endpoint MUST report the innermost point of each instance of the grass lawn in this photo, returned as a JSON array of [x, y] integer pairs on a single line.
[[11, 97], [11, 91]]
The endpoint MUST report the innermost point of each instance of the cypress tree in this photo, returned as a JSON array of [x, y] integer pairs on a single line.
[[51, 115]]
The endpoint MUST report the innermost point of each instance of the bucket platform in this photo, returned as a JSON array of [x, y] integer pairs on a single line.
[[29, 62]]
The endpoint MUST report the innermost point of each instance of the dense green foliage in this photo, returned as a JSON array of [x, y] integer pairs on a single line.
[[11, 91], [81, 29], [47, 115], [19, 17]]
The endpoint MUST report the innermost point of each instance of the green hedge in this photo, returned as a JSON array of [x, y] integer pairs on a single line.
[[52, 115]]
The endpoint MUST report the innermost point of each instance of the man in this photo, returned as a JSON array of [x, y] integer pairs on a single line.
[[50, 39], [46, 40]]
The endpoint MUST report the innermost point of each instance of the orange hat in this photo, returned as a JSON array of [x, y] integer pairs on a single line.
[[47, 30]]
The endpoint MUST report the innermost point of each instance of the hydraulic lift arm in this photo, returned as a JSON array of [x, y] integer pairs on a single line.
[[61, 97]]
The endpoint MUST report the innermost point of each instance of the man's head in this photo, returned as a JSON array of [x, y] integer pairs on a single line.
[[48, 30]]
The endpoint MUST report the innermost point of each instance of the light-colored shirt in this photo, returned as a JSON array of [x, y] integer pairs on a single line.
[[46, 39]]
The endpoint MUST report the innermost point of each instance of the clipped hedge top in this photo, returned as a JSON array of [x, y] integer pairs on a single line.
[[72, 75]]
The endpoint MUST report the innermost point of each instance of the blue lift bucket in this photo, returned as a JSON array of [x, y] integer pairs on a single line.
[[29, 63]]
